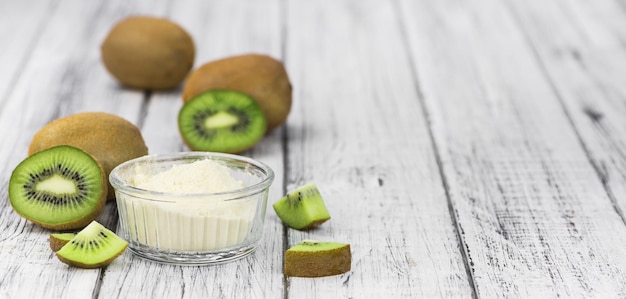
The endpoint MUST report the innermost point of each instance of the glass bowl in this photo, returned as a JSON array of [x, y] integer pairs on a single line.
[[192, 228]]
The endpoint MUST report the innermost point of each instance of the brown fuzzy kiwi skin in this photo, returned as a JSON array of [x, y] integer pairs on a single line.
[[148, 53], [88, 266], [259, 76], [316, 264], [108, 138], [79, 223]]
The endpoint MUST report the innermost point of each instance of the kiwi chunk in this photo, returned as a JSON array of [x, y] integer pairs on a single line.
[[93, 247], [302, 208], [313, 258], [57, 240], [221, 121], [60, 188]]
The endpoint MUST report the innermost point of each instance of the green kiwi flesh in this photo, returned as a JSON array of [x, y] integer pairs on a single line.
[[221, 121], [57, 240], [302, 208], [313, 258], [94, 246], [60, 188]]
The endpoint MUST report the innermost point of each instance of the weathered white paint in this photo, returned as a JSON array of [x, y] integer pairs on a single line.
[[534, 216], [58, 74], [358, 131], [443, 135], [585, 59]]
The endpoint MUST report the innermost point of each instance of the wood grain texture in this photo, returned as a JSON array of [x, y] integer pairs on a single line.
[[464, 149], [358, 131], [585, 59], [219, 29], [59, 75], [534, 216], [30, 18]]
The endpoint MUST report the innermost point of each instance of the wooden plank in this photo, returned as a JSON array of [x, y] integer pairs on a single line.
[[534, 216], [359, 132], [61, 75], [220, 29], [29, 17], [586, 64]]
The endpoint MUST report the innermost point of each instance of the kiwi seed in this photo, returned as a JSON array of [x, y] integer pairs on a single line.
[[61, 188], [221, 121]]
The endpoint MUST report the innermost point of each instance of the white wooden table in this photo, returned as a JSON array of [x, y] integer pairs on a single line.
[[464, 148]]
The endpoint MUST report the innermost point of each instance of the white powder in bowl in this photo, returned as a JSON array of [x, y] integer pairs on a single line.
[[203, 176]]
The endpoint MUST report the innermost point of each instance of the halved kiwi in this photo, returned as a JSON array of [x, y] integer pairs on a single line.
[[108, 138], [93, 247], [260, 76], [221, 121], [61, 188]]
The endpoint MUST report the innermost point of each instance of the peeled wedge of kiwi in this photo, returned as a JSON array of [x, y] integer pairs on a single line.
[[57, 240], [302, 208], [313, 258], [61, 188], [148, 53], [221, 121], [110, 139], [93, 247], [262, 77]]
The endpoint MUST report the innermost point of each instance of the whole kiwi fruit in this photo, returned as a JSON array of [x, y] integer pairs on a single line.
[[260, 76], [148, 53], [110, 139]]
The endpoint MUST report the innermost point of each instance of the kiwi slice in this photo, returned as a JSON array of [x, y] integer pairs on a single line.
[[93, 247], [57, 240], [313, 258], [221, 121], [60, 188], [302, 208]]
